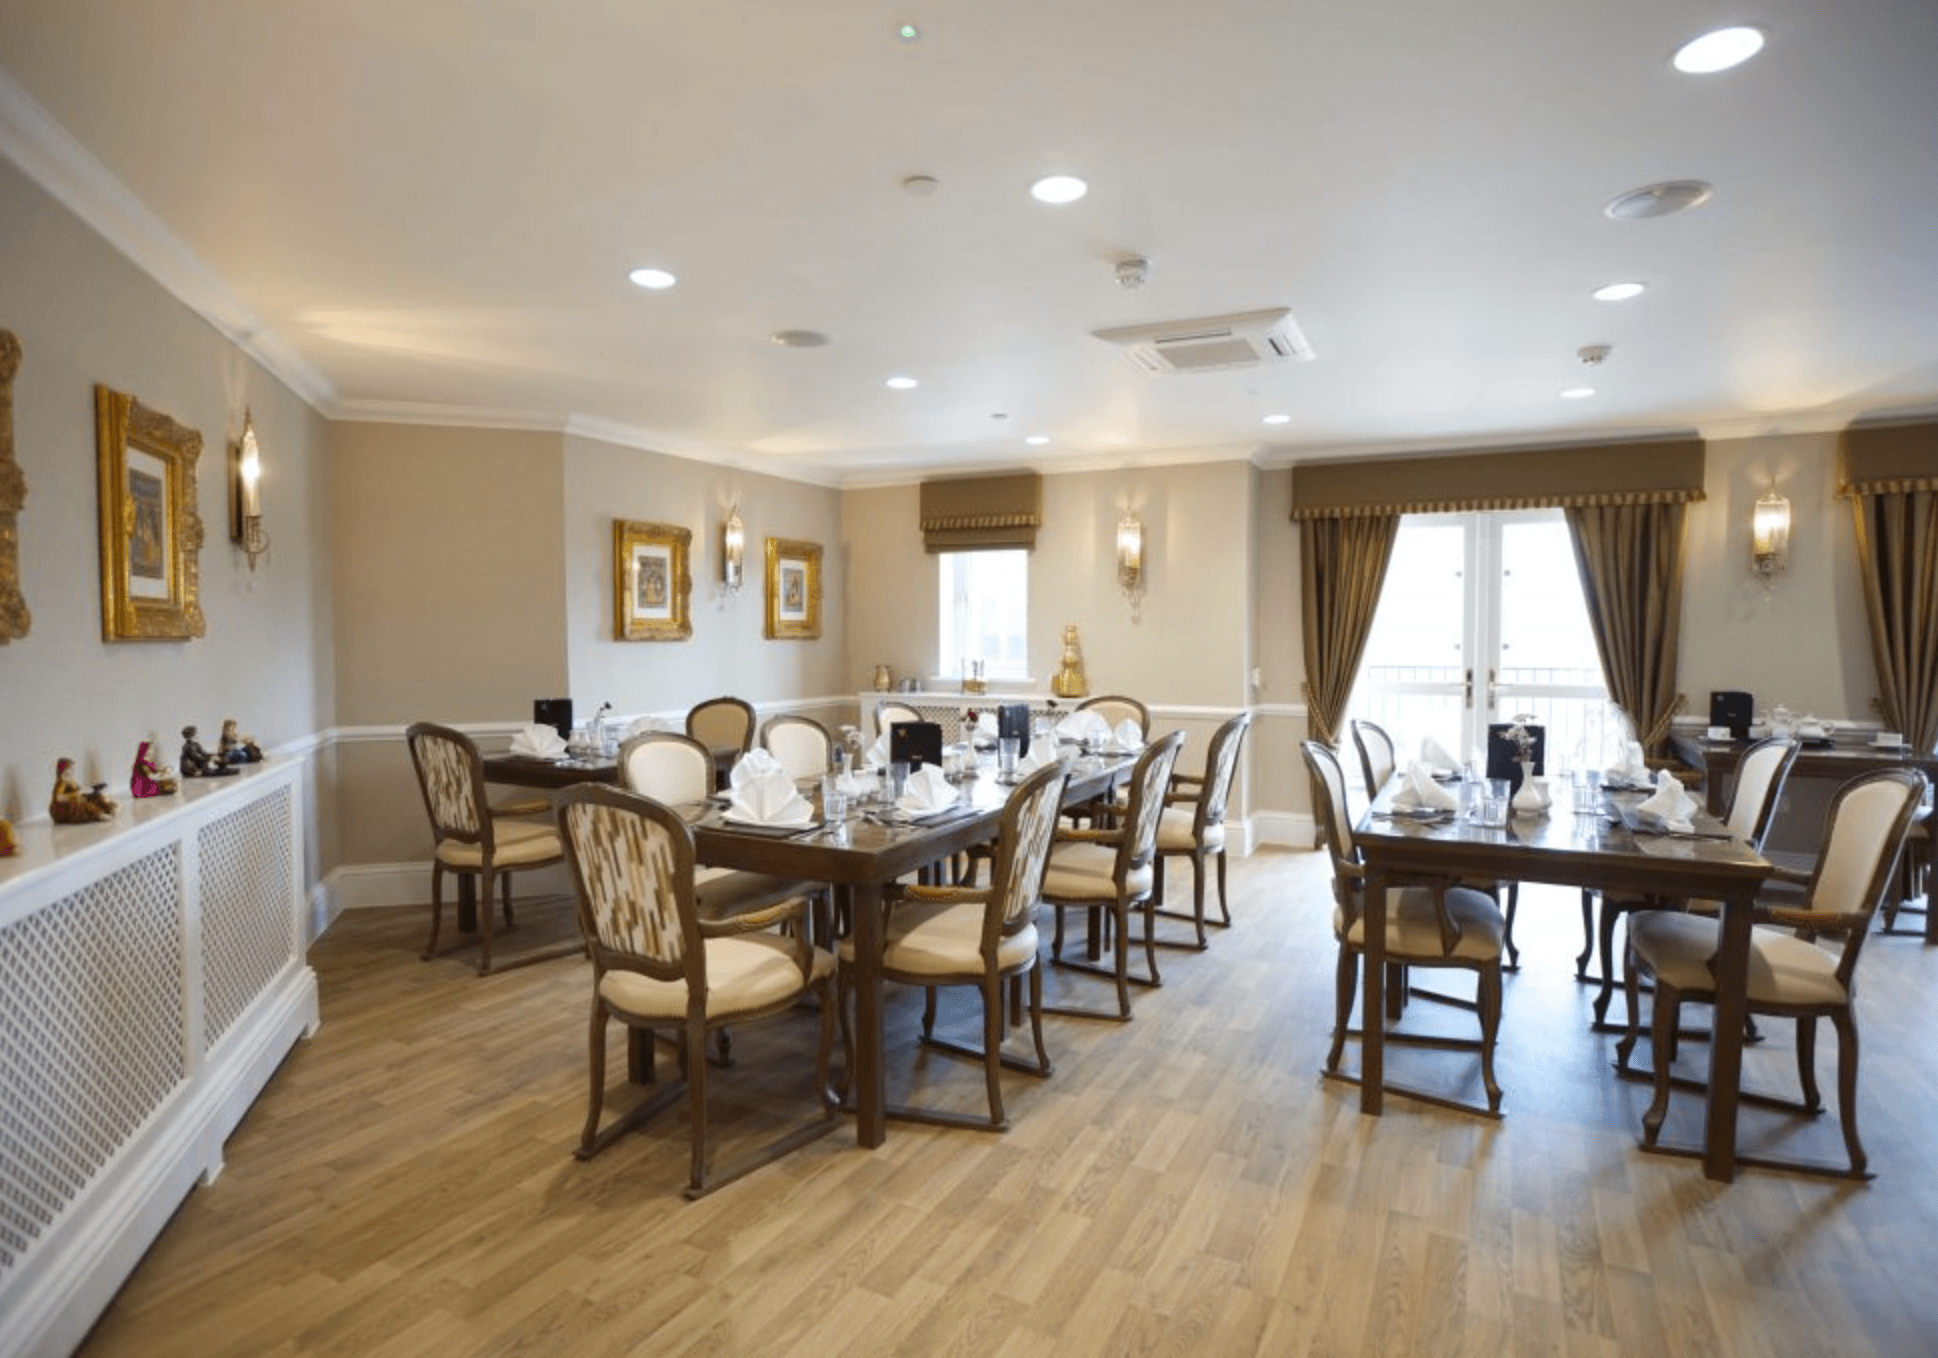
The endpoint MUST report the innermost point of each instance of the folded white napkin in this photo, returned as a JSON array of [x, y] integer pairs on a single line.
[[1436, 758], [986, 726], [538, 742], [1042, 754], [926, 792], [877, 756], [754, 764], [1082, 726], [1126, 739], [769, 799], [1418, 791], [1630, 768], [1670, 803], [860, 784]]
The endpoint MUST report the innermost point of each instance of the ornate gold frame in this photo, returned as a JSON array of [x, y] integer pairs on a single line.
[[650, 604], [151, 531], [793, 590], [15, 619]]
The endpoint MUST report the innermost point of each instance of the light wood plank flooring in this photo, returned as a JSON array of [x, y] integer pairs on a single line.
[[1185, 1183]]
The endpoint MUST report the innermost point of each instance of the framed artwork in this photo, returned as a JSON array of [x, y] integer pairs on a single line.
[[15, 619], [793, 590], [651, 587], [151, 532]]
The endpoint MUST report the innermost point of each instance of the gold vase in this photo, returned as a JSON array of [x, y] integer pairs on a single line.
[[1069, 681]]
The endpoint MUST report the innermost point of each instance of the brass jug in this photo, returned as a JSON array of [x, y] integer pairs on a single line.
[[883, 679]]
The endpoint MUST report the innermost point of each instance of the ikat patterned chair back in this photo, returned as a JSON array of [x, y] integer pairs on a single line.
[[1149, 782], [1221, 765], [450, 773], [1029, 824], [632, 866]]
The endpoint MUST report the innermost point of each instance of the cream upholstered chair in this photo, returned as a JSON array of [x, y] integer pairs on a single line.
[[958, 936], [656, 964], [470, 840], [802, 744], [1441, 925], [1193, 824], [1914, 876], [1790, 975], [888, 712], [1107, 873], [1117, 709], [726, 727], [1760, 775]]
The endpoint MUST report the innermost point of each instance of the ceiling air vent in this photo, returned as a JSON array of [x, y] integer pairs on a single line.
[[1243, 340]]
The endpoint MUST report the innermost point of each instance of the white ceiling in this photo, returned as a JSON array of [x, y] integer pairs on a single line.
[[426, 209]]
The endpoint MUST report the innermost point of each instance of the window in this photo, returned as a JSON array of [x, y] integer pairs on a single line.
[[985, 612]]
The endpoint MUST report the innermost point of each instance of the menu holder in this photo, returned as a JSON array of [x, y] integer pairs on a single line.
[[1013, 720], [1504, 756], [915, 743]]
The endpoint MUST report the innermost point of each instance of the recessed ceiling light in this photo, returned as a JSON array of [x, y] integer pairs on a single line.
[[1577, 393], [1278, 419], [1037, 440], [798, 339], [655, 279], [901, 384], [1658, 200], [909, 33], [1058, 188], [1618, 292], [1718, 51]]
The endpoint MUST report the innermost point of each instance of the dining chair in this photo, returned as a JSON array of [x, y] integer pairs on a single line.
[[469, 840], [888, 712], [1760, 775], [657, 964], [726, 727], [1914, 878], [938, 936], [1427, 925], [1109, 872], [1790, 976], [1193, 826], [1117, 709], [802, 744]]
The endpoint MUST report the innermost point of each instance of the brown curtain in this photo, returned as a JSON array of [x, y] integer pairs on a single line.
[[1897, 553], [1342, 567], [1630, 560]]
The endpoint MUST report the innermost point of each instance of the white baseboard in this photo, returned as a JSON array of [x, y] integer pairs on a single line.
[[1285, 829], [364, 886]]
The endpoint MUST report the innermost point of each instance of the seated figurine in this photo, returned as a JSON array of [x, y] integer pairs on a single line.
[[149, 778], [7, 846], [236, 749], [198, 762], [72, 804]]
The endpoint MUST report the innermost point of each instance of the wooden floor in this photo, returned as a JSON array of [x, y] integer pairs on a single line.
[[1185, 1183]]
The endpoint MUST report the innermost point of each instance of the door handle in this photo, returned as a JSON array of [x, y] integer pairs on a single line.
[[1467, 697], [1493, 698]]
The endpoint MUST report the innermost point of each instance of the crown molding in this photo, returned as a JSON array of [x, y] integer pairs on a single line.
[[50, 156]]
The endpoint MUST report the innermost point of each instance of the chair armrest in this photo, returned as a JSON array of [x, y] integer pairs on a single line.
[[1794, 876], [941, 894], [1813, 921], [755, 920], [1195, 779]]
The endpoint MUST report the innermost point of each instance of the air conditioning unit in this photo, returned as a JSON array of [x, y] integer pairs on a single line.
[[1243, 340]]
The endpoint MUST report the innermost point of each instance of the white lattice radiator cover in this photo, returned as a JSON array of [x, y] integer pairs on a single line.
[[151, 979]]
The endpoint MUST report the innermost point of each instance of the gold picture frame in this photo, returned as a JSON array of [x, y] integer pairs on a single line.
[[651, 585], [793, 590], [15, 619], [151, 531]]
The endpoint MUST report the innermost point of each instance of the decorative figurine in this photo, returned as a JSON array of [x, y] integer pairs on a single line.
[[149, 778], [73, 805], [198, 762], [1069, 681], [236, 749], [7, 846]]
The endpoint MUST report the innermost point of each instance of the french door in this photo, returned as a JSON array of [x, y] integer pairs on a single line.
[[1481, 620]]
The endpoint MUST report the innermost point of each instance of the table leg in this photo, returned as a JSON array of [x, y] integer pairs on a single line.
[[1372, 1005], [467, 903], [1726, 1041], [869, 1076]]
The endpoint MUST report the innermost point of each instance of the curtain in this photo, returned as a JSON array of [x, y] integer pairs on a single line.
[[1630, 561], [1342, 567], [1897, 552]]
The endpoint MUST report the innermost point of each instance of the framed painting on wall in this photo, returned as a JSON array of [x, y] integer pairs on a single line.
[[15, 618], [151, 531], [651, 586], [793, 590]]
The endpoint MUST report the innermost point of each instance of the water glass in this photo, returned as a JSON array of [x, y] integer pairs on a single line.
[[897, 779], [1006, 749], [1493, 802], [1588, 791], [834, 800]]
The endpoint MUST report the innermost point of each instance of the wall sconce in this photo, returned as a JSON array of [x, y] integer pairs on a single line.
[[1770, 534], [733, 551], [245, 493], [1130, 560]]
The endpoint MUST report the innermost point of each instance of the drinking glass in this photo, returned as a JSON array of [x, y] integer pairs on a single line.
[[834, 801], [1493, 803], [897, 779], [1006, 748]]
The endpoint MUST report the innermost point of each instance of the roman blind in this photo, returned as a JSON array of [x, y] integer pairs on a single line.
[[982, 513], [1666, 471]]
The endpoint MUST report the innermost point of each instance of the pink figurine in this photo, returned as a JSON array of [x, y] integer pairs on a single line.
[[150, 779]]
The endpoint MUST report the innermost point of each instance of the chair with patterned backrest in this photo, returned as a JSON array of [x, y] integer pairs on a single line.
[[1427, 925], [657, 964], [958, 936], [726, 727], [469, 839], [1790, 975], [1193, 824], [1760, 775], [802, 744], [1106, 873]]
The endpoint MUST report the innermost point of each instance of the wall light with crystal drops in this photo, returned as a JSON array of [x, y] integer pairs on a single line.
[[1770, 534], [733, 551], [245, 493], [1130, 560]]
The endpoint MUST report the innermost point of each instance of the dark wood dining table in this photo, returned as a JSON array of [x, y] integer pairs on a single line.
[[1589, 850], [872, 856]]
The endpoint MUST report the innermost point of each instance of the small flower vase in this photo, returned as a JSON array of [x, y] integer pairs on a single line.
[[1531, 799]]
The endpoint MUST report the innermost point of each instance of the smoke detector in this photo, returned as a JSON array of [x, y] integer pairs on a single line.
[[1242, 340], [1133, 271], [1594, 355]]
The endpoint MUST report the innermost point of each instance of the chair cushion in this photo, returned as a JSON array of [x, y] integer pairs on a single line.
[[519, 844], [522, 806], [723, 893], [943, 940], [1083, 872], [1413, 929], [745, 974], [1174, 833], [1784, 969]]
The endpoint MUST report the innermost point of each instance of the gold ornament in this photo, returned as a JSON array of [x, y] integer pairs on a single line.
[[1069, 681]]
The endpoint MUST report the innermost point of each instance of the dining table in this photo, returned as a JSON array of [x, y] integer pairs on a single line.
[[870, 848], [1592, 848]]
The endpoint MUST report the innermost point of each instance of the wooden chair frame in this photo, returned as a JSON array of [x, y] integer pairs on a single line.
[[1208, 795]]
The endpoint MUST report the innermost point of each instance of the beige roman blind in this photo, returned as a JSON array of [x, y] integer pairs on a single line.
[[1667, 471], [982, 513], [1889, 459]]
